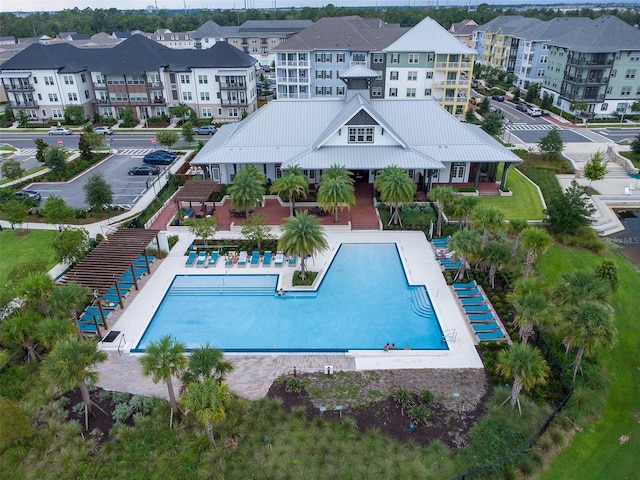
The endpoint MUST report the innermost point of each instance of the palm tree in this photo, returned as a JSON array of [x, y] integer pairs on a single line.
[[20, 331], [445, 197], [52, 330], [489, 219], [526, 366], [293, 184], [302, 235], [577, 286], [495, 254], [336, 190], [589, 325], [515, 228], [463, 208], [162, 360], [536, 241], [68, 300], [71, 363], [395, 187], [532, 308], [208, 401], [206, 362], [466, 245], [37, 288], [247, 188]]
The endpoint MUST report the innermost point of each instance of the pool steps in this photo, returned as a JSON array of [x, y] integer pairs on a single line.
[[420, 303]]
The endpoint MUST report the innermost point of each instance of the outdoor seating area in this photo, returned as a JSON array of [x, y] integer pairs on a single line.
[[201, 259], [479, 315]]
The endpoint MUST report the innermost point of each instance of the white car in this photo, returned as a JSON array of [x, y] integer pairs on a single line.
[[103, 130], [534, 112], [60, 131]]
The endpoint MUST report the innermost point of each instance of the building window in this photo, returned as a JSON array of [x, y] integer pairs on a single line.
[[457, 170], [376, 92], [204, 96], [56, 113], [359, 57], [630, 74], [543, 59], [378, 58], [604, 106], [185, 79], [427, 92], [72, 97], [339, 90], [360, 134], [393, 92], [233, 112], [207, 113], [86, 94], [187, 96], [53, 97], [324, 57], [393, 75], [625, 92], [68, 79], [395, 58], [411, 92], [202, 79], [411, 76], [83, 77], [429, 75], [340, 57], [414, 58], [48, 81], [540, 73]]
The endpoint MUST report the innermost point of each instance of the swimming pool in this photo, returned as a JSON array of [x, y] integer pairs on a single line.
[[363, 302]]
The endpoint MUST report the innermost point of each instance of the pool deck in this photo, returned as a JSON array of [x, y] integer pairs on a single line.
[[254, 373]]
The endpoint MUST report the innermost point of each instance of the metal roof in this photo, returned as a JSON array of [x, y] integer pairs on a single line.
[[429, 36]]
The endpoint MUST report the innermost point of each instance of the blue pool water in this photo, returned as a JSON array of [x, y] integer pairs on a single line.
[[363, 302]]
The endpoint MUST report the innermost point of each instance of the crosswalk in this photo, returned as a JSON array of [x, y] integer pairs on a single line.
[[27, 152], [134, 151], [515, 126]]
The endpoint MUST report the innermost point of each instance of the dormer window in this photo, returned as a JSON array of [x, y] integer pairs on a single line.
[[361, 134]]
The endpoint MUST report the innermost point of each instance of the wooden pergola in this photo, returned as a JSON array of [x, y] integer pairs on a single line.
[[104, 265], [195, 191]]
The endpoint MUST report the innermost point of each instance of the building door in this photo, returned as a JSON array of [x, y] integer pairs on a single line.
[[361, 176]]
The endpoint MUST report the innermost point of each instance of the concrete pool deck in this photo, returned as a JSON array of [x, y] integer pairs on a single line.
[[254, 373]]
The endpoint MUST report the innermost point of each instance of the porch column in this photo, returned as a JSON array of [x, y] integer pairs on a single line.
[[503, 181], [430, 180], [476, 180]]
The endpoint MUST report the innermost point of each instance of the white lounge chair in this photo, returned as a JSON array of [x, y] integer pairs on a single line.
[[279, 260]]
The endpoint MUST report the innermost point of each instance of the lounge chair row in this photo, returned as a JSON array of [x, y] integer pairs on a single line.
[[478, 312], [203, 259]]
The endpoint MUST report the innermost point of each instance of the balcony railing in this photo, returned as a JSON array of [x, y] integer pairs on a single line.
[[584, 81], [233, 85], [18, 87], [294, 63], [23, 103], [293, 95], [233, 102], [101, 86], [154, 85], [293, 80]]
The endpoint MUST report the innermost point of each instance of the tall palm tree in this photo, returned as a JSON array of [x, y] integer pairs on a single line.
[[336, 190], [515, 228], [589, 325], [293, 184], [526, 366], [535, 240], [52, 330], [445, 197], [463, 208], [37, 288], [489, 219], [162, 360], [577, 286], [495, 254], [533, 309], [71, 363], [20, 331], [206, 362], [208, 400], [302, 235], [247, 188], [466, 245], [395, 187], [68, 300]]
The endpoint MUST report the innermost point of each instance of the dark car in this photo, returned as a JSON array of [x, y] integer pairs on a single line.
[[205, 130], [166, 154], [157, 158], [29, 195], [144, 170], [498, 98], [522, 107]]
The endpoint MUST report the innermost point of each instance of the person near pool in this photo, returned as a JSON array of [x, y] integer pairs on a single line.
[[281, 292], [393, 346], [386, 347]]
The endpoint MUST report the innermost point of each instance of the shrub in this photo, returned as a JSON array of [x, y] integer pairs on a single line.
[[584, 237], [293, 385], [557, 437], [419, 414], [122, 412], [427, 397]]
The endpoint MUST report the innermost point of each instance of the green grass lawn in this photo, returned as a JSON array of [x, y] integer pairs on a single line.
[[16, 248], [596, 453], [525, 202]]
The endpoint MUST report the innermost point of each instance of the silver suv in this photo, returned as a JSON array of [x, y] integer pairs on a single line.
[[534, 112]]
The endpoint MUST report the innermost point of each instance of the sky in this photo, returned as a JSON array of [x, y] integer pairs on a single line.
[[46, 5]]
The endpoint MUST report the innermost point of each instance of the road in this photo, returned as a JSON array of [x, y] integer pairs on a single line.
[[130, 147]]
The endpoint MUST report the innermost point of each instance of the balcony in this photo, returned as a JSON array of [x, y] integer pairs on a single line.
[[103, 101], [293, 95], [100, 86], [234, 86], [294, 63], [158, 101], [18, 87], [155, 85], [589, 63], [23, 103], [293, 80], [230, 102]]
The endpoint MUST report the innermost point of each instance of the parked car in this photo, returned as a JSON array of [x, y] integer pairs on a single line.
[[474, 84], [60, 131], [498, 98], [205, 130], [103, 130], [523, 107], [534, 112], [144, 170], [157, 158], [166, 154], [29, 194]]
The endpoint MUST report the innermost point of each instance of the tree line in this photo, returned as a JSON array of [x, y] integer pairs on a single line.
[[91, 21]]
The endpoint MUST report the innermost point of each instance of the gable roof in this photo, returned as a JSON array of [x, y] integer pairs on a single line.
[[344, 33], [135, 55], [429, 36], [296, 132]]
